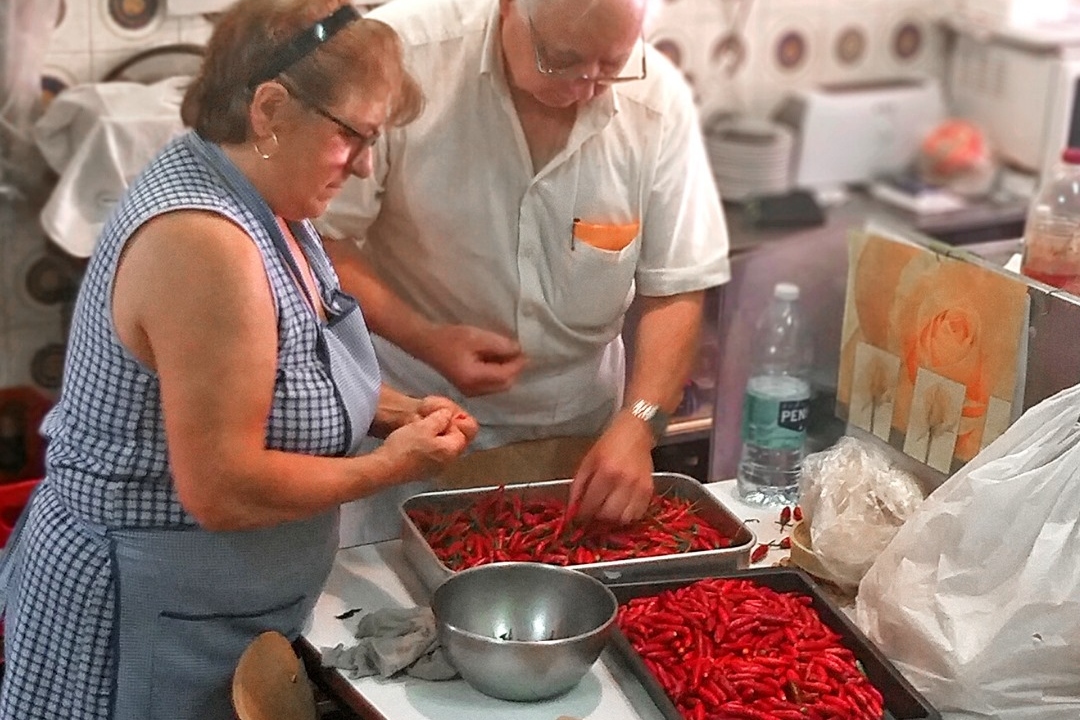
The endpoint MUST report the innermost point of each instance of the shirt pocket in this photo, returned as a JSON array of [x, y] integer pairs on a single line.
[[596, 283], [605, 236]]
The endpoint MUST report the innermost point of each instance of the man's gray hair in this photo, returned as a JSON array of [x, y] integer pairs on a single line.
[[528, 7]]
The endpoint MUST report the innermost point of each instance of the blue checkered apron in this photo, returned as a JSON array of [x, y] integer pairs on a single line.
[[119, 607]]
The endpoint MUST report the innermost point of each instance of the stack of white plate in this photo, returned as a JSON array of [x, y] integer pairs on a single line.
[[749, 157]]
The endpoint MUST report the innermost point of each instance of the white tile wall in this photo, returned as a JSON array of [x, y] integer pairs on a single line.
[[72, 34], [29, 328], [195, 29], [106, 33], [89, 42], [779, 32], [849, 37]]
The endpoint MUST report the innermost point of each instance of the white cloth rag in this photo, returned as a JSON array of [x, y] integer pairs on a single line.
[[390, 641], [98, 137]]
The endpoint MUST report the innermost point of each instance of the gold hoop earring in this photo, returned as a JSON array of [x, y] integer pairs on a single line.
[[266, 155]]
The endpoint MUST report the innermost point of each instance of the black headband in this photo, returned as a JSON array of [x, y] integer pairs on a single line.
[[304, 43]]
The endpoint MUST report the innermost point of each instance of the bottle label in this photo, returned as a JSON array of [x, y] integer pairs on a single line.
[[772, 423]]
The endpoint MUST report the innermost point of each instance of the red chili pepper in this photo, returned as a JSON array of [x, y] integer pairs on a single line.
[[754, 670], [537, 530]]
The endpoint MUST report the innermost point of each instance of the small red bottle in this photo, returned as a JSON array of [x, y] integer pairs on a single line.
[[1052, 230]]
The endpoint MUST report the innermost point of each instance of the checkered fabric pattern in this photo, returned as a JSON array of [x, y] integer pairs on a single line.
[[107, 457]]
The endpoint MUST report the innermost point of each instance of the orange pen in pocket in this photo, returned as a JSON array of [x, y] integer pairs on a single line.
[[605, 236]]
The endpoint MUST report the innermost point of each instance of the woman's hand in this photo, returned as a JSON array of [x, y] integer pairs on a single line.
[[397, 409], [425, 445], [463, 421]]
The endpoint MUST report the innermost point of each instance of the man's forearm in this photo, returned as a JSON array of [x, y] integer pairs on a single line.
[[385, 313], [665, 348]]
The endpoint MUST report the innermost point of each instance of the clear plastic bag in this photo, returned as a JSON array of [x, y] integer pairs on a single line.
[[854, 500], [977, 599]]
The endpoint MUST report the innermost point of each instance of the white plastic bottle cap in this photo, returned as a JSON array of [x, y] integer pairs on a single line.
[[786, 291]]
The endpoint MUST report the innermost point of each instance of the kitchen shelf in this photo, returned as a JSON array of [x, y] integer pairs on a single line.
[[688, 428]]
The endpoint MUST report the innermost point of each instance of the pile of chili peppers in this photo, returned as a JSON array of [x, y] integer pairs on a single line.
[[728, 649], [503, 526]]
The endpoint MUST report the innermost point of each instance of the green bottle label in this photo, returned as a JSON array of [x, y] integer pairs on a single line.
[[773, 423]]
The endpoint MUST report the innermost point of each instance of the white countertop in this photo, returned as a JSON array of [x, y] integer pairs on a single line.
[[371, 577]]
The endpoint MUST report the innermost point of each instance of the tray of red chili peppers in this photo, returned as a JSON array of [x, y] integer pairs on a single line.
[[685, 530], [760, 644]]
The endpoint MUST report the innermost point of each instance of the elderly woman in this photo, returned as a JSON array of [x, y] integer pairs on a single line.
[[217, 387]]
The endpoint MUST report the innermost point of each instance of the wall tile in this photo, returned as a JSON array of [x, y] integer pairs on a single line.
[[72, 34], [105, 61], [5, 321], [7, 360], [63, 70], [118, 25], [849, 35], [908, 43], [30, 280], [685, 50], [31, 320], [789, 38], [195, 29], [35, 356]]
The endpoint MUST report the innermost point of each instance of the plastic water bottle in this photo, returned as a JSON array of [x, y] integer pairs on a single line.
[[1052, 229], [776, 405]]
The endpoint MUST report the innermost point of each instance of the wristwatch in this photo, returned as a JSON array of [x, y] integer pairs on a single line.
[[653, 416]]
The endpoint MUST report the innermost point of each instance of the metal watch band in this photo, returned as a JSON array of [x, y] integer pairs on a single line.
[[652, 415]]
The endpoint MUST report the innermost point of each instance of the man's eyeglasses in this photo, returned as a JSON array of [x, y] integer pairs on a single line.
[[573, 70], [358, 141]]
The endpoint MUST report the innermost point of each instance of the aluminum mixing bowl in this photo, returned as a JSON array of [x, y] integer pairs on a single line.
[[523, 631]]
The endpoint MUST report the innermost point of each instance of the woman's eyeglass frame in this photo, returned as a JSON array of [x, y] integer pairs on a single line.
[[358, 140]]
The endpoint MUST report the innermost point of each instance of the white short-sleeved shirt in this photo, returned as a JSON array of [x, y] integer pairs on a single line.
[[460, 226]]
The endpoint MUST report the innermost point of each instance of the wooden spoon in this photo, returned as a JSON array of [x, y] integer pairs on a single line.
[[270, 683]]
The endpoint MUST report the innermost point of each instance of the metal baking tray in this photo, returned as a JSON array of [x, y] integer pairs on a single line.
[[432, 571], [901, 700]]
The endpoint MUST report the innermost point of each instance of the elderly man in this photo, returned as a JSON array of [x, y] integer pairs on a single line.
[[556, 174]]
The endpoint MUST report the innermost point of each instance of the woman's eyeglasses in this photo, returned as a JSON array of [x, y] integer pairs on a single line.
[[357, 140]]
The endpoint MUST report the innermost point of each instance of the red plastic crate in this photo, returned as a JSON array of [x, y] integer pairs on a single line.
[[13, 497]]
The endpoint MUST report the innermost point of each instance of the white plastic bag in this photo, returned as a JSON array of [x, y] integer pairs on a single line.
[[977, 598], [853, 500]]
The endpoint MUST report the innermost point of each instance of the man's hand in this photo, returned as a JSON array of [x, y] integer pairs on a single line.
[[476, 361], [614, 481]]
